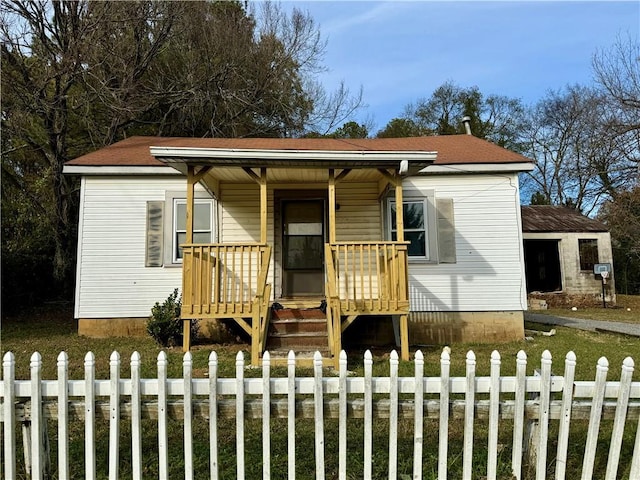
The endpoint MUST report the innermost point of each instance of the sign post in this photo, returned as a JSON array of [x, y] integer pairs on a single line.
[[602, 269]]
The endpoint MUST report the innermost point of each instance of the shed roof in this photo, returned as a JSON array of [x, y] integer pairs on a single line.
[[549, 218], [451, 149]]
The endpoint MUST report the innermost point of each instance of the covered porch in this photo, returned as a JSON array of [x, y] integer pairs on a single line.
[[292, 245]]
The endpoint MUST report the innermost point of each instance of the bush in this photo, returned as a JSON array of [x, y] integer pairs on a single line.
[[165, 323]]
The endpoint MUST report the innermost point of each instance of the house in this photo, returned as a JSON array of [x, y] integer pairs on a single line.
[[241, 224], [561, 249]]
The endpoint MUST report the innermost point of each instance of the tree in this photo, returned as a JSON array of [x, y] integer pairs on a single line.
[[80, 75], [495, 118], [622, 216], [400, 127], [617, 74]]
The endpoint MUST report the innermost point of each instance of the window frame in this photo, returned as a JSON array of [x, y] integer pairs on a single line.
[[427, 198], [175, 247], [170, 234], [581, 263]]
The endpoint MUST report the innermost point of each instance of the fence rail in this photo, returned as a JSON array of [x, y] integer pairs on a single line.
[[530, 403]]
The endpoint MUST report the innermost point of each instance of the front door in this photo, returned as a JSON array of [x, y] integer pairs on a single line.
[[303, 236]]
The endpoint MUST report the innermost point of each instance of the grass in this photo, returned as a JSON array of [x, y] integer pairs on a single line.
[[51, 330], [627, 309]]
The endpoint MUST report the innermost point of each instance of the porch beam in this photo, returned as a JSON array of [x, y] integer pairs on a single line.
[[342, 175], [348, 321], [389, 177], [201, 173], [332, 206], [254, 176]]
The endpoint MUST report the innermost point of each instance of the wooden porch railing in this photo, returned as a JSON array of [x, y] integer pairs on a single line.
[[223, 280], [368, 277]]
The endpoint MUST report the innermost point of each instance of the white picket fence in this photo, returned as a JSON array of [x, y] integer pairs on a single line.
[[531, 403]]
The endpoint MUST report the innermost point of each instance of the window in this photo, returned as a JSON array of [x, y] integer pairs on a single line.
[[429, 227], [202, 224], [588, 250], [414, 214]]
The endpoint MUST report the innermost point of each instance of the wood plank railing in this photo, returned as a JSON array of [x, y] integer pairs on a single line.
[[368, 277], [224, 279]]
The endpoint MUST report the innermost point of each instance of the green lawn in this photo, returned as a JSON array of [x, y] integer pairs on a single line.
[[51, 330], [627, 309]]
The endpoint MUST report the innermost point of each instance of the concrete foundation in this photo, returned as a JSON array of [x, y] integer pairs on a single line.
[[211, 329], [439, 328]]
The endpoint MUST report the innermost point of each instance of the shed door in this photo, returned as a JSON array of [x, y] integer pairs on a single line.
[[303, 235]]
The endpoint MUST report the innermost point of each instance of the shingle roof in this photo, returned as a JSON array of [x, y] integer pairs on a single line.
[[548, 218], [452, 149]]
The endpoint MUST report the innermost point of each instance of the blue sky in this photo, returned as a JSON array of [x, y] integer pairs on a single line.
[[401, 51]]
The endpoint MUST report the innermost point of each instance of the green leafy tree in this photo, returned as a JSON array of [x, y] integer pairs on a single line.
[[401, 127], [494, 117], [79, 75]]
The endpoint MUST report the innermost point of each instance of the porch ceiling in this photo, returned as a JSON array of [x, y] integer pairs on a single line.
[[290, 175]]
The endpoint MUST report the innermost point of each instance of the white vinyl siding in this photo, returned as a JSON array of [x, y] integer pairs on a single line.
[[112, 280], [488, 274]]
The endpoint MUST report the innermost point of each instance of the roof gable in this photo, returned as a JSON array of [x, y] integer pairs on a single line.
[[549, 218]]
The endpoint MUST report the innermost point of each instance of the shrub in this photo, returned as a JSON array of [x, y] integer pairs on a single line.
[[165, 323]]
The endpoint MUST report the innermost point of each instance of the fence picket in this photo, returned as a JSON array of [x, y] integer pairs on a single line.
[[266, 416], [114, 415], [187, 363], [443, 436], [467, 454], [594, 420], [635, 461], [621, 415], [34, 401], [136, 418], [240, 416], [342, 417], [63, 416], [291, 415], [319, 414], [518, 415], [89, 416], [213, 415], [368, 415], [565, 419], [494, 406], [393, 415], [543, 425], [36, 417], [418, 420], [163, 436]]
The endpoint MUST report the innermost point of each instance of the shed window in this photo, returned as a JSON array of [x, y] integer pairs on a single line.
[[588, 249]]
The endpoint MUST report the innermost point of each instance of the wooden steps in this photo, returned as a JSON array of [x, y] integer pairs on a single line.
[[301, 329]]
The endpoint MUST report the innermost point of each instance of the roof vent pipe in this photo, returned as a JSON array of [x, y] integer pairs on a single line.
[[467, 124]]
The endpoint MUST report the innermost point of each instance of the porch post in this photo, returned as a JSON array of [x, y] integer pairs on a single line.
[[186, 276], [399, 208], [404, 319], [332, 206], [263, 205]]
